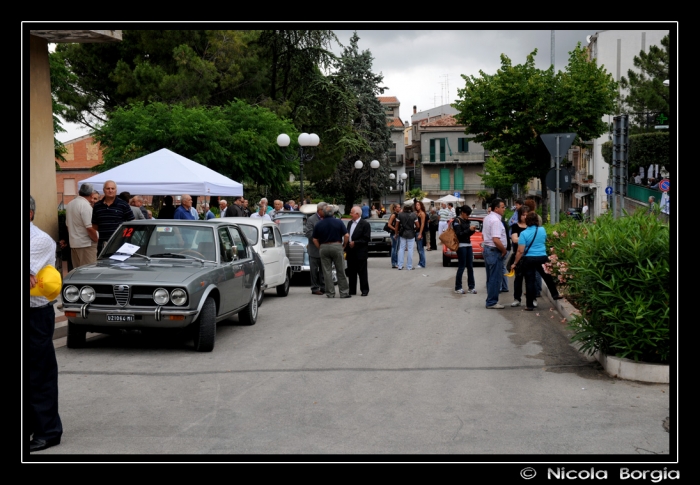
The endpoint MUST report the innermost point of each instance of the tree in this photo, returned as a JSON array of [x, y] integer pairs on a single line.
[[647, 92], [60, 78], [236, 140], [509, 110], [367, 137]]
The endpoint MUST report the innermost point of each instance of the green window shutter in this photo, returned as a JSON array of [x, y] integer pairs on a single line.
[[459, 179], [432, 149], [463, 145], [442, 149], [444, 179]]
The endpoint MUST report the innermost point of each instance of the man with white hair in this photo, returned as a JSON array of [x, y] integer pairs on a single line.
[[183, 211], [222, 207], [82, 236]]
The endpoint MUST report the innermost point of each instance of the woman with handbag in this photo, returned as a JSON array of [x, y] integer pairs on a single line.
[[532, 250], [515, 230], [465, 254]]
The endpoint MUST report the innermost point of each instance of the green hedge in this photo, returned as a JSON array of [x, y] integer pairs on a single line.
[[618, 275]]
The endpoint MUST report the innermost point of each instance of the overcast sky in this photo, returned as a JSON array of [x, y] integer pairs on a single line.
[[424, 67]]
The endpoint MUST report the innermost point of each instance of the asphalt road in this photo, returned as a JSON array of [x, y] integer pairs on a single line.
[[412, 369]]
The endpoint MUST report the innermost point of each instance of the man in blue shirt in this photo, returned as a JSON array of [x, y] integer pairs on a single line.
[[365, 211], [208, 214], [183, 210]]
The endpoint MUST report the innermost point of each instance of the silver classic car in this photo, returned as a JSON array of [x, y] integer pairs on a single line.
[[166, 274]]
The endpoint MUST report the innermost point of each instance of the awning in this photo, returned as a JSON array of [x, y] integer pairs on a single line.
[[578, 195]]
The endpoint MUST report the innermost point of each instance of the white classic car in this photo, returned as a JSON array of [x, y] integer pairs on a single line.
[[265, 238]]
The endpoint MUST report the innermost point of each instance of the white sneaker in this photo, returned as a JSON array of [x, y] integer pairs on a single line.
[[497, 306], [534, 303], [515, 303], [460, 291]]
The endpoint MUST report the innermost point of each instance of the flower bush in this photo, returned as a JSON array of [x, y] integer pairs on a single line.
[[618, 273]]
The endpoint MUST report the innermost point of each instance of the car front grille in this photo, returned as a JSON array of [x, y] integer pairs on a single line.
[[295, 253], [121, 294]]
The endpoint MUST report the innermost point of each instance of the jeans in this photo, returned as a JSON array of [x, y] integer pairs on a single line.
[[421, 251], [403, 244], [533, 266], [394, 250], [504, 284], [493, 262], [465, 257]]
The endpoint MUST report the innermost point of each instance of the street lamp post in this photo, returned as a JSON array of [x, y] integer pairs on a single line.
[[305, 140], [374, 165], [401, 183]]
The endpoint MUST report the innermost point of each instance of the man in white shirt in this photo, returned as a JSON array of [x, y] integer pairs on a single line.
[[81, 235], [494, 233], [445, 215], [261, 213]]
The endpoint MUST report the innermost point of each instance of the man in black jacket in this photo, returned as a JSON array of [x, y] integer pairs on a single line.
[[465, 254], [357, 251]]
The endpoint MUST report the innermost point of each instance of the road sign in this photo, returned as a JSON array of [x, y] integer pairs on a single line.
[[565, 141], [457, 195], [564, 179], [608, 190], [664, 185]]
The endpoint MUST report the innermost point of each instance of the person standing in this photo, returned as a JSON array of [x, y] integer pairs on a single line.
[[41, 404], [208, 214], [445, 216], [494, 252], [433, 222], [584, 211], [183, 211], [359, 235], [246, 210], [374, 213], [223, 205], [168, 209], [393, 226], [420, 233], [331, 237], [365, 211], [126, 197], [504, 278], [514, 218], [515, 231], [261, 213], [109, 213], [235, 210], [534, 239], [465, 253], [407, 234], [136, 202], [81, 235], [315, 270]]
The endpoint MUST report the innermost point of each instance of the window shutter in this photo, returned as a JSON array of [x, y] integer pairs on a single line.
[[432, 149], [442, 149]]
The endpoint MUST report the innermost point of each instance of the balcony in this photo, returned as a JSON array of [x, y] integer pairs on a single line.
[[464, 189], [467, 157], [395, 160]]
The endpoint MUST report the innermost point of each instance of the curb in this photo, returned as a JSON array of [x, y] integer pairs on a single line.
[[614, 366]]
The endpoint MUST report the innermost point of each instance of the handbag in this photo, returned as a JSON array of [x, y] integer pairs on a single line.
[[519, 266], [449, 238]]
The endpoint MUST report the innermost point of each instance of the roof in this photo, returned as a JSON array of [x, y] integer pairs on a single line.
[[448, 120], [394, 123], [388, 99]]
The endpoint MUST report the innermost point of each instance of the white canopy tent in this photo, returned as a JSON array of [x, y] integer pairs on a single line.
[[449, 198], [166, 173]]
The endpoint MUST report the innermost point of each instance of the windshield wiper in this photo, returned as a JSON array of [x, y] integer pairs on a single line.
[[168, 255]]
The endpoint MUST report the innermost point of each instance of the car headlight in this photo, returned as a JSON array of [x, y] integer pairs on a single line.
[[160, 296], [178, 297], [387, 240], [71, 293], [87, 294]]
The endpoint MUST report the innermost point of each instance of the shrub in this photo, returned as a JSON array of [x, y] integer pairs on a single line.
[[621, 286]]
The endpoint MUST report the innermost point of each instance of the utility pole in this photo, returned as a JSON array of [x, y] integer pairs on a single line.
[[552, 194]]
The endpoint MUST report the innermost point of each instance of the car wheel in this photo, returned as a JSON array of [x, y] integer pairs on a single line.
[[75, 338], [205, 327], [446, 261], [249, 315], [283, 289]]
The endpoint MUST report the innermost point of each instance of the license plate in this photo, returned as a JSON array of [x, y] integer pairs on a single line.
[[120, 318], [296, 268]]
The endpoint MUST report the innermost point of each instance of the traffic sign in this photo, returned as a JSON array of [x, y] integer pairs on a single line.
[[565, 141], [608, 190], [664, 185], [457, 195], [564, 179]]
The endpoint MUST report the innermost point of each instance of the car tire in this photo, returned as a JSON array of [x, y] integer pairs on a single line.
[[249, 315], [261, 296], [75, 337], [205, 327], [283, 289], [446, 261]]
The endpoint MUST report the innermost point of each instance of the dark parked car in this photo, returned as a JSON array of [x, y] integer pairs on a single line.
[[380, 241], [574, 213], [166, 274]]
